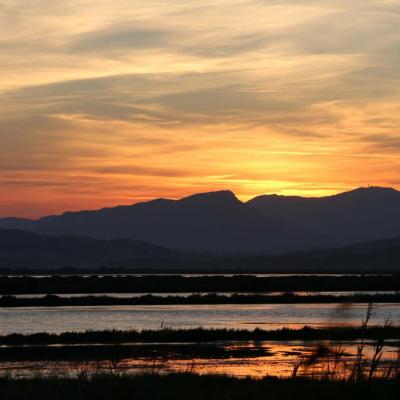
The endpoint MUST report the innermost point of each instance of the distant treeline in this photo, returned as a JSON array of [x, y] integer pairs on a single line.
[[200, 335], [57, 301], [194, 284]]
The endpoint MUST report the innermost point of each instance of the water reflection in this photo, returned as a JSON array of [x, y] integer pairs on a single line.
[[280, 361], [188, 294], [188, 275], [244, 316]]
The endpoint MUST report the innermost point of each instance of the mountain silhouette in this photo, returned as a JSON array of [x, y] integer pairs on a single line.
[[361, 215], [22, 224], [219, 223], [209, 222], [20, 249], [29, 251]]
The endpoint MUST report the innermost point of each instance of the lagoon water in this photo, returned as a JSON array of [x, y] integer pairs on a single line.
[[266, 316], [279, 360]]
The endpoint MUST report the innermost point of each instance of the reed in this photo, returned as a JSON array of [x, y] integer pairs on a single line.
[[327, 362], [152, 386]]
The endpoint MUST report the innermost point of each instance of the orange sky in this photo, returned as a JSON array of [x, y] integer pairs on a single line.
[[105, 103]]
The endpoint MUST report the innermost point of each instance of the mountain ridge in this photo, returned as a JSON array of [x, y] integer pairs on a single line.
[[21, 250], [363, 214], [220, 223]]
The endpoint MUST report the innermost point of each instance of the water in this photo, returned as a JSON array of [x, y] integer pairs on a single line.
[[267, 316], [280, 361], [259, 275]]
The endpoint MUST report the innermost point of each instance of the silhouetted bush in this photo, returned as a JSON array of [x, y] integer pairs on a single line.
[[193, 387]]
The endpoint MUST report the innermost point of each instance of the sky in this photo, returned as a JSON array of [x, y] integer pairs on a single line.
[[105, 103]]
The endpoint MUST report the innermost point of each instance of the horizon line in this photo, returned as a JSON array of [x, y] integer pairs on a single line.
[[202, 193]]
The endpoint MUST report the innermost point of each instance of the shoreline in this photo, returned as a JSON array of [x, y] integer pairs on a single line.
[[201, 335], [194, 299]]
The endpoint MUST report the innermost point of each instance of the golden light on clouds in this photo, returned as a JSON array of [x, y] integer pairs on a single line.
[[105, 103]]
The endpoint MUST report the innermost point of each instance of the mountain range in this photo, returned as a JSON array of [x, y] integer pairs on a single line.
[[218, 223], [21, 250]]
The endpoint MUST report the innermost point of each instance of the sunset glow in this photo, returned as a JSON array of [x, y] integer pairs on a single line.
[[105, 103]]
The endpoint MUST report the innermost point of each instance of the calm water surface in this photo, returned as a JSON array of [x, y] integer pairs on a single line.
[[60, 319], [279, 362], [266, 275]]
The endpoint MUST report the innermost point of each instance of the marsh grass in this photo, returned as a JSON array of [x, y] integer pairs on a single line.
[[190, 386], [50, 300], [117, 352], [194, 284], [201, 335], [326, 362]]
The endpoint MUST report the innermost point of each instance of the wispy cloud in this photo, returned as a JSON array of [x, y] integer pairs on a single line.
[[113, 102]]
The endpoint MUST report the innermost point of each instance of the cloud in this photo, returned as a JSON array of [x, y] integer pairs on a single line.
[[117, 38], [142, 170], [128, 100]]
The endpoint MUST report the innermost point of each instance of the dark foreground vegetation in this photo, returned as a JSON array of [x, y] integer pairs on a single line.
[[195, 284], [193, 387], [115, 353], [199, 335], [56, 301]]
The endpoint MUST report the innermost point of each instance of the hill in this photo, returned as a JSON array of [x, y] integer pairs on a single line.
[[26, 250], [215, 223], [220, 224], [361, 215], [19, 249]]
